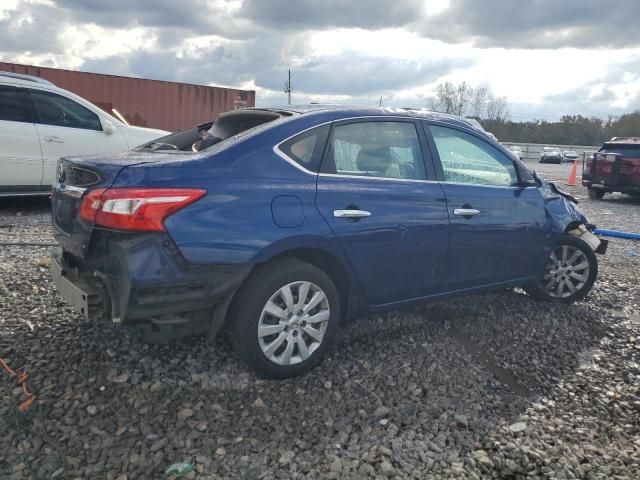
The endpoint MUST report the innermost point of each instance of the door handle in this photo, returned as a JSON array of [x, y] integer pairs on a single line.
[[53, 139], [466, 212], [351, 213]]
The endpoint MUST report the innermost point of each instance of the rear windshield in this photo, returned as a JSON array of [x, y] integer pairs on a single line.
[[205, 136], [632, 151]]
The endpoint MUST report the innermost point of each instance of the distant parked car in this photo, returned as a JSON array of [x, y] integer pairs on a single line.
[[550, 155], [39, 123], [569, 156], [615, 167], [308, 219], [516, 150]]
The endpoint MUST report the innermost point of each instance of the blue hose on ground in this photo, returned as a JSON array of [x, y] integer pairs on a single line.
[[617, 234]]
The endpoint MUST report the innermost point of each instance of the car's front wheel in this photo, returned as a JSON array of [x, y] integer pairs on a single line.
[[570, 272], [284, 318]]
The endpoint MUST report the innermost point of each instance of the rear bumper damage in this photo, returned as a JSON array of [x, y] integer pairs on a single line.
[[142, 280]]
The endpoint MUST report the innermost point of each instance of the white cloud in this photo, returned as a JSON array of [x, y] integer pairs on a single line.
[[347, 55]]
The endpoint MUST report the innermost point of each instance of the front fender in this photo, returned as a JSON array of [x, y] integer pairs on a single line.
[[561, 209]]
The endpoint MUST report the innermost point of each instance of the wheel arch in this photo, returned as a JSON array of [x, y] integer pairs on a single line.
[[329, 263]]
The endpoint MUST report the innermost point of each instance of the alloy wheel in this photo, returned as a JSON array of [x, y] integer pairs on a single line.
[[293, 323], [567, 271]]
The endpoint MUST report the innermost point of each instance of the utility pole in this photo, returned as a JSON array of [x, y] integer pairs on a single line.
[[380, 100], [287, 87]]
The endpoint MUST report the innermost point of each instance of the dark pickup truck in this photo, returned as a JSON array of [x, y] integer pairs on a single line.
[[614, 168]]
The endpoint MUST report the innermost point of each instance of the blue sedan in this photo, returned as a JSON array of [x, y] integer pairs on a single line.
[[284, 224]]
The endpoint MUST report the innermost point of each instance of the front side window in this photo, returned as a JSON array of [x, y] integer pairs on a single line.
[[376, 149], [53, 109], [12, 105], [467, 159], [307, 148]]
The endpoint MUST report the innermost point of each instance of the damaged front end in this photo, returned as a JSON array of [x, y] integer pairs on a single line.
[[564, 216]]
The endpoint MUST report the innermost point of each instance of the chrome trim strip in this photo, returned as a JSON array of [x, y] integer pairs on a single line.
[[365, 177], [70, 190], [481, 185]]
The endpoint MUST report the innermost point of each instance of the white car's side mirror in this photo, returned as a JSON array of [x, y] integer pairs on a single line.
[[108, 127]]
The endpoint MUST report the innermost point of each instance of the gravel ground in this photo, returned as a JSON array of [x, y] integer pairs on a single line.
[[487, 386]]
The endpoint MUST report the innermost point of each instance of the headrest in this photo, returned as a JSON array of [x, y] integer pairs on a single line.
[[373, 159]]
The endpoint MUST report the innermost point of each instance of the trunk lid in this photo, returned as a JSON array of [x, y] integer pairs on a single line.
[[75, 176]]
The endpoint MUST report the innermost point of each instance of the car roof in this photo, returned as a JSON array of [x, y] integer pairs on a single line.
[[349, 111], [22, 79], [625, 140]]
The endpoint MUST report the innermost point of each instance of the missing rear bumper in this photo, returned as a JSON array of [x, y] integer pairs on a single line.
[[82, 296]]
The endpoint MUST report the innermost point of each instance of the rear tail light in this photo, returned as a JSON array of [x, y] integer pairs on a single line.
[[135, 209], [630, 166]]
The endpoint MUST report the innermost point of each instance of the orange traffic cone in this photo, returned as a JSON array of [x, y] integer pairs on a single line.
[[571, 181]]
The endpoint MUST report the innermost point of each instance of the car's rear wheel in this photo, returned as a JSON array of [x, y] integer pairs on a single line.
[[284, 318], [595, 193], [570, 272]]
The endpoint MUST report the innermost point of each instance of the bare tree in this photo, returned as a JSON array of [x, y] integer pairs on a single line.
[[451, 98], [497, 108], [479, 102], [463, 99]]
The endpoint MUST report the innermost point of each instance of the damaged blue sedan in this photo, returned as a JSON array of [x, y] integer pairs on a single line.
[[284, 224]]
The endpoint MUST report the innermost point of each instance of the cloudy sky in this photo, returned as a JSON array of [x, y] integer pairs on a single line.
[[548, 57]]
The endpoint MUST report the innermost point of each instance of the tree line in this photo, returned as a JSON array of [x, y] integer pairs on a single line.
[[493, 112], [570, 130]]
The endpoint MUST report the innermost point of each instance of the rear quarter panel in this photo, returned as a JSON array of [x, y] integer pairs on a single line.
[[235, 222]]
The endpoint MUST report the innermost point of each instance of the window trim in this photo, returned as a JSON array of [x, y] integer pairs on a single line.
[[24, 97], [321, 147], [36, 117], [426, 124]]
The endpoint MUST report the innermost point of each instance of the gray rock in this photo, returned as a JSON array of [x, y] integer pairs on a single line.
[[387, 469], [518, 427], [381, 412], [185, 413], [335, 465]]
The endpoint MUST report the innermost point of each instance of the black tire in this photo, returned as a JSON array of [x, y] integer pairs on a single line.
[[595, 193], [538, 290], [246, 311]]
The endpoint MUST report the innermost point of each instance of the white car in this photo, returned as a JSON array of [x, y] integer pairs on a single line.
[[39, 123], [517, 151], [569, 156]]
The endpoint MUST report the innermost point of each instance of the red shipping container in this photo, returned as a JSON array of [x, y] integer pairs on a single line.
[[146, 103]]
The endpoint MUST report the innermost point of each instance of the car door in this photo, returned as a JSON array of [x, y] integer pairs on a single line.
[[20, 153], [385, 208], [67, 128], [497, 222]]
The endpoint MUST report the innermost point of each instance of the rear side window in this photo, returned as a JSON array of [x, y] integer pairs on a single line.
[[376, 149], [53, 109], [307, 148], [627, 151], [13, 107]]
